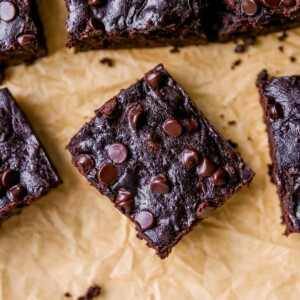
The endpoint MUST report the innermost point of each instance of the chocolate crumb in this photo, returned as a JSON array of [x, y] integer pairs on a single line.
[[236, 63], [174, 50], [281, 48], [282, 36], [107, 61], [222, 116], [293, 59], [233, 144], [240, 48], [92, 292], [249, 138], [232, 123], [67, 295]]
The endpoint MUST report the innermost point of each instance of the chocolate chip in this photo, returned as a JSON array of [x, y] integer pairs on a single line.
[[96, 24], [118, 153], [159, 184], [26, 39], [220, 177], [144, 220], [250, 7], [96, 2], [8, 11], [172, 127], [85, 163], [154, 79], [276, 111], [93, 291], [9, 178], [190, 158], [123, 201], [107, 174], [270, 3], [204, 210], [206, 168], [136, 118], [16, 193]]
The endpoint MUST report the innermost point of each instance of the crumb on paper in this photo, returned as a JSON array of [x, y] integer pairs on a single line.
[[250, 41], [281, 48], [293, 59], [174, 50], [282, 36], [107, 61], [92, 292], [236, 64], [240, 48], [233, 144], [67, 295], [232, 123]]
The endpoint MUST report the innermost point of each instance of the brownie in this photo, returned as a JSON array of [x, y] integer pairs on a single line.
[[21, 34], [26, 172], [158, 159], [94, 24], [247, 18], [280, 99]]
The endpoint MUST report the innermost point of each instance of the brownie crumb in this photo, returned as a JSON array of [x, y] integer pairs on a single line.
[[2, 75], [240, 48], [92, 292], [232, 123], [222, 116], [282, 36], [107, 61], [281, 48], [174, 50], [293, 59], [67, 295], [236, 64], [233, 144]]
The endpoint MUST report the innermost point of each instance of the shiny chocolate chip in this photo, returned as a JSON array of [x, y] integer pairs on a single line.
[[26, 39], [159, 184], [107, 174], [96, 3], [85, 163], [17, 193], [136, 117], [270, 3], [123, 200], [206, 168], [144, 220], [9, 178], [154, 79], [190, 158], [204, 210], [250, 7], [276, 111], [172, 127], [118, 153], [220, 177], [8, 11], [96, 24]]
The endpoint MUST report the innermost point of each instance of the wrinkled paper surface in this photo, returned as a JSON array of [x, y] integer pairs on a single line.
[[74, 237]]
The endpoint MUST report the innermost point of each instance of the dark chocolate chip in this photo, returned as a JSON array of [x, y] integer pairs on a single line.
[[276, 111], [154, 79], [206, 168], [144, 220], [96, 24], [107, 174], [118, 153], [204, 210], [190, 158], [159, 184], [250, 7], [85, 163], [124, 201], [172, 127], [8, 11], [136, 118], [220, 177], [270, 3], [26, 39], [9, 178], [96, 2], [16, 193]]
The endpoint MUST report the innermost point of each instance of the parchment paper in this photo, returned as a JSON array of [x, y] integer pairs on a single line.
[[74, 237]]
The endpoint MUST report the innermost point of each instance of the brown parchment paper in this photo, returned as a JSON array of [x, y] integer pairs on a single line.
[[74, 237]]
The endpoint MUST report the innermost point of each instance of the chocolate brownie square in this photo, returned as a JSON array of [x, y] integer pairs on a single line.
[[158, 159], [21, 34], [94, 24], [26, 172], [248, 18], [280, 99]]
